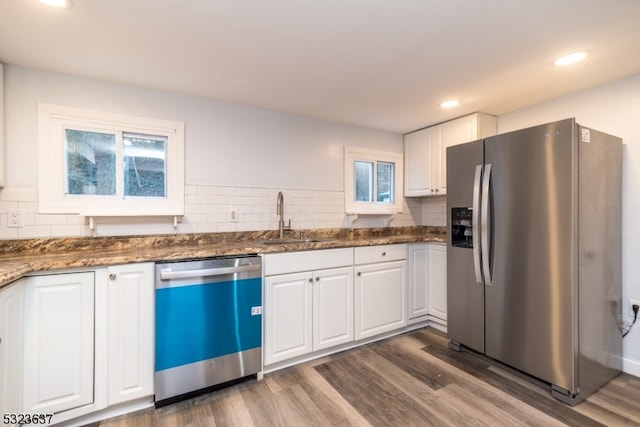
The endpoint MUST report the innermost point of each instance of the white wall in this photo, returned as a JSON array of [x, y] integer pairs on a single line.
[[613, 108], [236, 156], [240, 157]]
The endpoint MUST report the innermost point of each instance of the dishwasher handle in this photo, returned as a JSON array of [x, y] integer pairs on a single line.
[[207, 272]]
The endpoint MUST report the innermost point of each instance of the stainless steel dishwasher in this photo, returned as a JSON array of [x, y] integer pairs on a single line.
[[208, 324]]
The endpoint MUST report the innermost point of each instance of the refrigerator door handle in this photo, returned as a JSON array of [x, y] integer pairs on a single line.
[[484, 224], [475, 221]]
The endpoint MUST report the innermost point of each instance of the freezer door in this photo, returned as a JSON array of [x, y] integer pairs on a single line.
[[465, 294], [532, 300]]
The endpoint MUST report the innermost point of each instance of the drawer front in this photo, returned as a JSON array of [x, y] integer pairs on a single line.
[[292, 262], [381, 253]]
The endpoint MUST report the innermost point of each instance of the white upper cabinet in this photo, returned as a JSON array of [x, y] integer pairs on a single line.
[[421, 153], [425, 152]]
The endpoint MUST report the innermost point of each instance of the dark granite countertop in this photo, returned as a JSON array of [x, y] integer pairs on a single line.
[[21, 257]]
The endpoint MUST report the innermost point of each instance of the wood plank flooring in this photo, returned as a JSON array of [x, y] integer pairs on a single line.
[[409, 380]]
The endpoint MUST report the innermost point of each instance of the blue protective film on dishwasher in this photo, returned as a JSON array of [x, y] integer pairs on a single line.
[[201, 322]]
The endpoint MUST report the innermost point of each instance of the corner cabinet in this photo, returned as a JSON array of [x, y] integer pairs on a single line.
[[425, 151], [427, 295], [418, 289], [308, 302], [437, 281], [380, 283]]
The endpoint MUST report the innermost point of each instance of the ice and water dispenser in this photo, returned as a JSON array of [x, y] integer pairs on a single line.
[[461, 231]]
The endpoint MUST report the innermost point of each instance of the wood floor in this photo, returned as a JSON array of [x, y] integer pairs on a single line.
[[408, 380]]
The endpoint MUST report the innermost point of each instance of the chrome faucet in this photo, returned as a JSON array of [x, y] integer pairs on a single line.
[[280, 212]]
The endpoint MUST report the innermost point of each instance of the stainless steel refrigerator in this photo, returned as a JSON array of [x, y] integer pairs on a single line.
[[534, 254]]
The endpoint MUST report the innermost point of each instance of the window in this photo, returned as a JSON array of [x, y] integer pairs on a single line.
[[372, 181], [99, 164]]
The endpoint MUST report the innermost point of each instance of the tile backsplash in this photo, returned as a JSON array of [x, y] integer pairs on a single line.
[[209, 208]]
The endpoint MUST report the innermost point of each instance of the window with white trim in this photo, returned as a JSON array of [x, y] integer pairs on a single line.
[[102, 164], [373, 181]]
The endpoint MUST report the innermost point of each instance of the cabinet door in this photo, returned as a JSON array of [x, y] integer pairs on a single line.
[[2, 169], [459, 131], [438, 281], [418, 280], [59, 342], [380, 298], [287, 316], [130, 332], [422, 157], [332, 307], [11, 355], [454, 132]]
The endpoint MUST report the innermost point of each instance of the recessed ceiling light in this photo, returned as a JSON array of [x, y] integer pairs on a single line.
[[571, 58], [63, 4], [450, 104]]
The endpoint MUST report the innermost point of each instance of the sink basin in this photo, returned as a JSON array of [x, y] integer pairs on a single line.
[[287, 240]]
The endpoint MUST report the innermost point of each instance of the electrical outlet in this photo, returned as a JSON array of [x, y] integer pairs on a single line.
[[633, 302], [14, 218], [233, 215]]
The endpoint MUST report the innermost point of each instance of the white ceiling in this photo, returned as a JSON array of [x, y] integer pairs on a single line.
[[382, 64]]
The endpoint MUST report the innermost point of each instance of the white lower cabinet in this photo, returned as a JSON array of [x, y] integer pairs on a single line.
[[342, 296], [309, 310], [437, 281], [332, 307], [74, 343], [418, 292], [58, 342], [130, 332], [380, 289], [11, 347], [427, 282], [287, 315]]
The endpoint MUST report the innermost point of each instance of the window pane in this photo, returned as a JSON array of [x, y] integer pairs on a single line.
[[364, 181], [385, 174], [145, 167], [91, 163]]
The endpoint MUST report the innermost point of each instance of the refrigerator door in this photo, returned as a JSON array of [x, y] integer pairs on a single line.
[[465, 293], [532, 299]]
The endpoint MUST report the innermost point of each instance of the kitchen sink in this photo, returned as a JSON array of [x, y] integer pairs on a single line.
[[289, 240]]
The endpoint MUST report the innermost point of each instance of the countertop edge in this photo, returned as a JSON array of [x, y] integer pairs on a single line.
[[14, 268]]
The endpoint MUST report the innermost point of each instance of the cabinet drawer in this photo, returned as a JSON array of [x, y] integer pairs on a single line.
[[381, 253], [292, 262]]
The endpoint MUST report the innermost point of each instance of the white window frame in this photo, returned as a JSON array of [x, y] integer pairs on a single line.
[[353, 154], [52, 122]]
